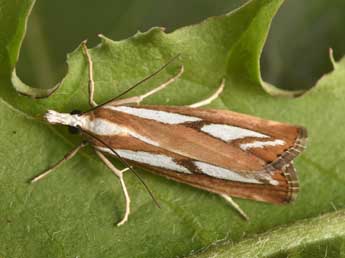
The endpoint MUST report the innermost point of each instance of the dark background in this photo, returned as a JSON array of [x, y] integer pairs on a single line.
[[295, 55]]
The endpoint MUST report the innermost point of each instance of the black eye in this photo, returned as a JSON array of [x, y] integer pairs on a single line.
[[73, 130], [75, 112]]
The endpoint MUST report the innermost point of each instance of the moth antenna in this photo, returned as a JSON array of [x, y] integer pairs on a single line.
[[138, 83], [126, 164]]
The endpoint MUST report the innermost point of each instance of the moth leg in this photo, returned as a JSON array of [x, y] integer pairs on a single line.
[[235, 205], [67, 157], [119, 174], [90, 70], [210, 98], [139, 99]]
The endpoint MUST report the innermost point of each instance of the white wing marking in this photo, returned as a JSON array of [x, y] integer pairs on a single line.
[[104, 127], [259, 144], [230, 133], [156, 115], [151, 159], [227, 174], [223, 173]]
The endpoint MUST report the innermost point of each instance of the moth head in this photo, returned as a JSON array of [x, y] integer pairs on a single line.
[[74, 129], [73, 120]]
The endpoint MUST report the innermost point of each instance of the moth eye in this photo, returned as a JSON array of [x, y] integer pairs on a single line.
[[73, 130], [75, 112]]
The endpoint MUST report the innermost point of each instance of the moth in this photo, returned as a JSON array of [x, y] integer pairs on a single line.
[[223, 152]]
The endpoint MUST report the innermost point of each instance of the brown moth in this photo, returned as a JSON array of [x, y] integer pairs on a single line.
[[223, 152]]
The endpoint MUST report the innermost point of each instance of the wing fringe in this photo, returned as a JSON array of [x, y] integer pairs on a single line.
[[285, 163]]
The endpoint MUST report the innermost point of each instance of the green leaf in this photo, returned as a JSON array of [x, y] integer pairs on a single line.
[[72, 212], [301, 239]]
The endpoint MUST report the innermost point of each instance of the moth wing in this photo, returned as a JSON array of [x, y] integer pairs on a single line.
[[285, 192], [174, 147], [182, 169], [272, 141]]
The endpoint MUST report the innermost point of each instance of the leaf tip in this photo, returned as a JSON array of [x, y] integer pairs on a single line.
[[104, 39], [26, 90], [279, 92], [331, 57]]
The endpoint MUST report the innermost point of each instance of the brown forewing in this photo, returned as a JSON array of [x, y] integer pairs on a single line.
[[291, 134], [282, 193], [189, 141], [186, 141], [265, 192]]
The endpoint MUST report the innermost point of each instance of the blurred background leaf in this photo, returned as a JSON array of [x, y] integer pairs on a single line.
[[295, 55]]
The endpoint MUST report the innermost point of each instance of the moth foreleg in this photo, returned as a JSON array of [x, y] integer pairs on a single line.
[[119, 174], [68, 156], [139, 99], [235, 205], [90, 70], [210, 98]]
